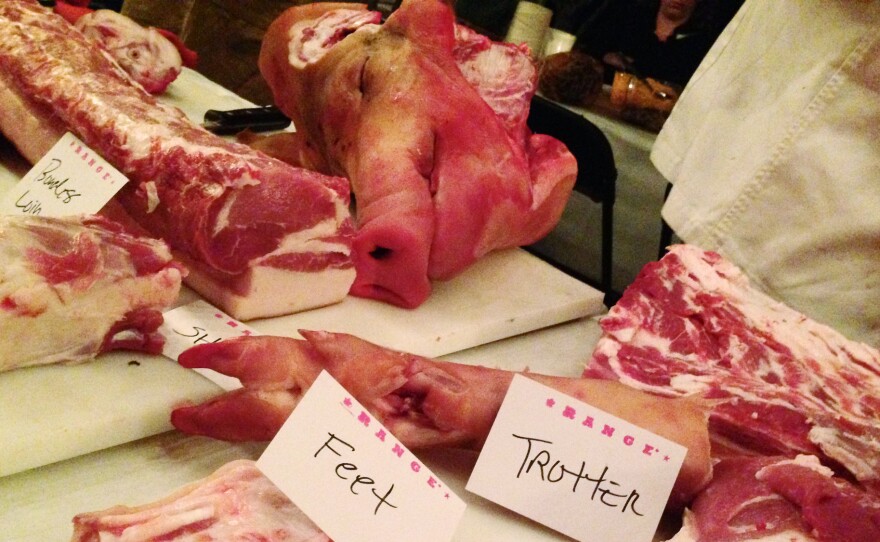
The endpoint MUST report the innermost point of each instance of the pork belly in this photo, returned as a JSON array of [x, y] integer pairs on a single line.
[[781, 383]]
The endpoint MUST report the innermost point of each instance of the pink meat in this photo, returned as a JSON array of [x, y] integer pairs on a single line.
[[756, 498], [244, 223], [235, 503], [427, 120], [691, 324], [425, 403], [76, 287]]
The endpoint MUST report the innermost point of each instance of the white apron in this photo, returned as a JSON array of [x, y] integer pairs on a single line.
[[774, 154]]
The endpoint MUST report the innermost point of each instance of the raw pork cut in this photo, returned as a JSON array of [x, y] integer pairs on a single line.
[[691, 324], [235, 503], [141, 51], [780, 499], [146, 55], [72, 288], [425, 403], [428, 121], [260, 237]]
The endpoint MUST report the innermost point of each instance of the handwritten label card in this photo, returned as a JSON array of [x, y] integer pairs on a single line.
[[200, 323], [352, 477], [575, 468], [70, 179]]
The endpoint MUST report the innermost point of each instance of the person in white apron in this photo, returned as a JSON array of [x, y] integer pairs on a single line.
[[773, 152]]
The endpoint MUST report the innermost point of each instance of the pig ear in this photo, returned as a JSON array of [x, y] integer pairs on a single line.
[[71, 12], [431, 24], [189, 57]]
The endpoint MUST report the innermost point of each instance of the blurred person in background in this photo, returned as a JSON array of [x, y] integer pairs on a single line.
[[661, 39], [773, 152]]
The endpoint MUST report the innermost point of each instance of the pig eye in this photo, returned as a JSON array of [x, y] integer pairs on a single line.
[[362, 77]]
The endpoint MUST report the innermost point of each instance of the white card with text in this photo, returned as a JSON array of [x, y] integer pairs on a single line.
[[200, 322], [350, 476], [575, 468], [71, 179]]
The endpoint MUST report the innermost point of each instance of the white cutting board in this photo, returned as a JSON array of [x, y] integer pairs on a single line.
[[48, 414], [504, 294], [52, 413]]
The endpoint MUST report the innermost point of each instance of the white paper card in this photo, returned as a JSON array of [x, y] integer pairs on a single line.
[[71, 179], [199, 323], [575, 468], [341, 467]]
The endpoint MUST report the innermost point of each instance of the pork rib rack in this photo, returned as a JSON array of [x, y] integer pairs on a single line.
[[427, 119], [260, 237], [783, 384]]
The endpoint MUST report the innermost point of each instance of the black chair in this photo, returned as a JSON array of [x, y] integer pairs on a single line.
[[665, 229], [597, 178]]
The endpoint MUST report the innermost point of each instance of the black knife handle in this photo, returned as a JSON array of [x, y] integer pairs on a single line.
[[256, 119]]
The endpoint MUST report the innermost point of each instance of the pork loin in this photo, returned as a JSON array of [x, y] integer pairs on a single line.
[[260, 237]]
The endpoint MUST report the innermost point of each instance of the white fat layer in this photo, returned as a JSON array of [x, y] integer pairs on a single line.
[[152, 196], [829, 440], [275, 292], [802, 460], [307, 241], [148, 135]]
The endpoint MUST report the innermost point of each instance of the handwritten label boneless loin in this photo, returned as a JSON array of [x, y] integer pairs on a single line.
[[575, 468], [70, 179], [349, 474]]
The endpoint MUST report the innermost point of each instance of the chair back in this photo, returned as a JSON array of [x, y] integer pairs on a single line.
[[596, 178], [597, 172]]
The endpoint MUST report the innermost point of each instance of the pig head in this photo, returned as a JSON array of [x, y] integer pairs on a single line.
[[426, 118]]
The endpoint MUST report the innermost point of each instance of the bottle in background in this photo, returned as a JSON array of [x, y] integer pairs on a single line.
[[530, 25]]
